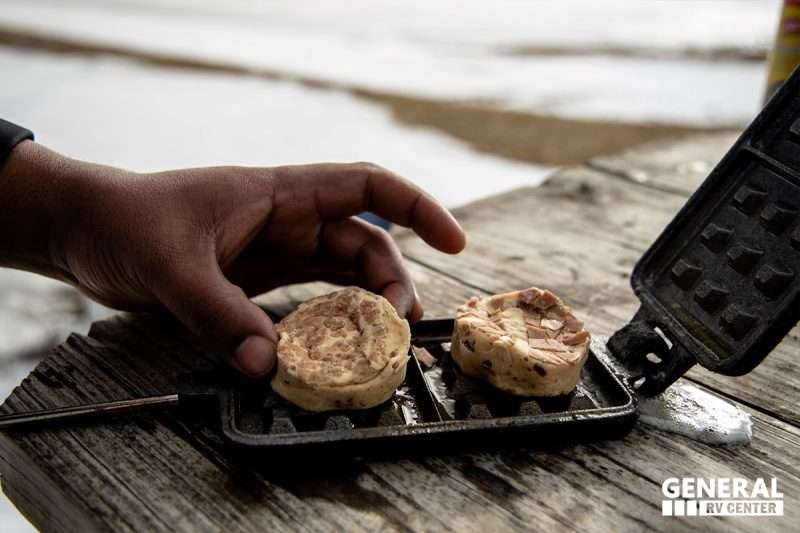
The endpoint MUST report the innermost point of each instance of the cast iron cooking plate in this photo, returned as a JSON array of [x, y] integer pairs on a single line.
[[436, 409], [721, 282]]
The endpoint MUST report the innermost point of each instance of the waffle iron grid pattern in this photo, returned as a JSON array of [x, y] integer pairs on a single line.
[[740, 267], [440, 393], [719, 286], [436, 409]]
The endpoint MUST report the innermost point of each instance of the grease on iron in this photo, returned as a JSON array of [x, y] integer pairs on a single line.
[[406, 406], [436, 383], [688, 410]]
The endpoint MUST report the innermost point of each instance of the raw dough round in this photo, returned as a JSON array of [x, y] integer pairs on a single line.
[[526, 342], [344, 350]]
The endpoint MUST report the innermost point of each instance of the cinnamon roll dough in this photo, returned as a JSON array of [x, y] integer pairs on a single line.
[[344, 350], [526, 342]]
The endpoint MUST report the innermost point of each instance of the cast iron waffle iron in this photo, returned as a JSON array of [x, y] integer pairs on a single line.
[[436, 409], [719, 287]]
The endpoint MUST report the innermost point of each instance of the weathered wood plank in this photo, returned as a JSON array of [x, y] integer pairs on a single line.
[[580, 235], [677, 166], [115, 464], [114, 473]]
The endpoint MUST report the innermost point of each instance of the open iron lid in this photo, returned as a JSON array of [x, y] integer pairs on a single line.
[[721, 284]]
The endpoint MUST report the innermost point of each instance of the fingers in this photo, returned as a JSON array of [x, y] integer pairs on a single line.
[[221, 314], [368, 251], [417, 311], [257, 273], [342, 190]]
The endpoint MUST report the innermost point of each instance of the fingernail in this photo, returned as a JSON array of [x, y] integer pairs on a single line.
[[255, 356], [272, 335]]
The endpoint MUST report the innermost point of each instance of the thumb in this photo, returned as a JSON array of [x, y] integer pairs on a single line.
[[222, 315]]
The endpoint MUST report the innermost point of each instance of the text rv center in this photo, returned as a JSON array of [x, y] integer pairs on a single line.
[[721, 497]]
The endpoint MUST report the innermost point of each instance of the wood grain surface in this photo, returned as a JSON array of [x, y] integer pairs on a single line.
[[579, 235]]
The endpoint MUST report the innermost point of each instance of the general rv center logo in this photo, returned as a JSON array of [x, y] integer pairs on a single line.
[[724, 496]]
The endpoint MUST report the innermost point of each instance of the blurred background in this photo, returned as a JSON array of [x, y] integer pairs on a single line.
[[466, 99]]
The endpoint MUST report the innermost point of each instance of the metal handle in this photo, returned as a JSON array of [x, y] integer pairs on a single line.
[[634, 342], [18, 420]]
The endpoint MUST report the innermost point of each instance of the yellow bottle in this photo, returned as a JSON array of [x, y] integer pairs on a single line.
[[785, 53]]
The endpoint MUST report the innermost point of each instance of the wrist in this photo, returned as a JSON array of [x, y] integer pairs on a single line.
[[44, 201]]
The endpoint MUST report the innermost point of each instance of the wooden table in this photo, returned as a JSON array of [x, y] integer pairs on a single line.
[[579, 234]]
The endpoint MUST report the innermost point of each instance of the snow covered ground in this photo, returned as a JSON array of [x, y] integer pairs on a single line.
[[665, 25], [574, 59], [124, 114]]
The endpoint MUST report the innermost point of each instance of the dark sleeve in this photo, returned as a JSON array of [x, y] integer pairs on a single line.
[[10, 136]]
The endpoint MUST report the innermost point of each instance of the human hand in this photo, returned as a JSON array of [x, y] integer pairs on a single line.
[[200, 241]]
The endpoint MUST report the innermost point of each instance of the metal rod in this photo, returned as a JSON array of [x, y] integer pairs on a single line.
[[17, 420]]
